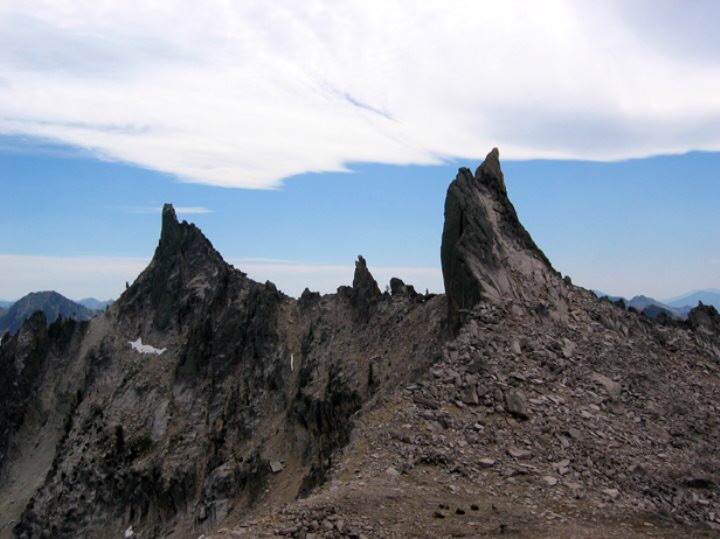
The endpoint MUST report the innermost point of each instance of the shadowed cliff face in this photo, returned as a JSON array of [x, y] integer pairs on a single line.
[[184, 272], [486, 253], [24, 361]]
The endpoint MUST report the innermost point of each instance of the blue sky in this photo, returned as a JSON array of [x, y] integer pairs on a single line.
[[298, 135], [639, 226]]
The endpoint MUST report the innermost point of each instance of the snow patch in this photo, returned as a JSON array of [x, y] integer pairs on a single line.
[[138, 346]]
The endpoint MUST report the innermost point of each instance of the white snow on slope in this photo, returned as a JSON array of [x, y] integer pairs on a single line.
[[138, 346]]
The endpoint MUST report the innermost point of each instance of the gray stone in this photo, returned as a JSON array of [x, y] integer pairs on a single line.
[[611, 492], [516, 404], [518, 453], [549, 480], [568, 348], [470, 396], [612, 387], [392, 472]]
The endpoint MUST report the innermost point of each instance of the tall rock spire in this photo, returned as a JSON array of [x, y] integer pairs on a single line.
[[486, 253], [365, 290], [183, 270]]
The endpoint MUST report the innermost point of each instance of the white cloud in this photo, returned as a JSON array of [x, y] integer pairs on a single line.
[[179, 210], [244, 94], [105, 277]]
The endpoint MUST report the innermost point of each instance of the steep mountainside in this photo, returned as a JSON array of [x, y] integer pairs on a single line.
[[244, 382], [51, 304], [202, 402]]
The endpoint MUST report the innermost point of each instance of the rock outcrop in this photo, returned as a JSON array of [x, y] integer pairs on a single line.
[[365, 290], [486, 253], [182, 275]]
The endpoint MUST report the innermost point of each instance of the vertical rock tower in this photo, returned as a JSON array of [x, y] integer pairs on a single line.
[[486, 253]]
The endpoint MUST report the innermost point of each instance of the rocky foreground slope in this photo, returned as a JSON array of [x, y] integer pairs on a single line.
[[203, 403]]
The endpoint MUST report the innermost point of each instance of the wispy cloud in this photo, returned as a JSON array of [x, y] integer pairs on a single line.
[[75, 277], [99, 276], [243, 94], [180, 210]]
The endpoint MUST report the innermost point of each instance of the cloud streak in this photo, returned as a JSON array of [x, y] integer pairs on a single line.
[[244, 94], [179, 210], [105, 277]]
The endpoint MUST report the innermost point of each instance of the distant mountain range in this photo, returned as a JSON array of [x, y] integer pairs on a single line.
[[95, 304], [676, 308], [691, 299], [50, 303], [12, 314]]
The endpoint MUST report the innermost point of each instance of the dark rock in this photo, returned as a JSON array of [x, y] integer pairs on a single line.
[[704, 319], [470, 396], [308, 298], [24, 357], [365, 291], [427, 403], [699, 482], [399, 288], [516, 404], [183, 256], [481, 229]]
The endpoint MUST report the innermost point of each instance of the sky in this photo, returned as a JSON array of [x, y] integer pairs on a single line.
[[299, 135]]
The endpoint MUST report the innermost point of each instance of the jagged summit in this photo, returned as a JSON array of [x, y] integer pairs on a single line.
[[486, 253], [182, 238], [365, 290], [184, 271], [490, 173], [170, 223]]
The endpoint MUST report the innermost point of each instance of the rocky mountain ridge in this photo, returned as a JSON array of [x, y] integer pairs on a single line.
[[204, 403], [247, 382]]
